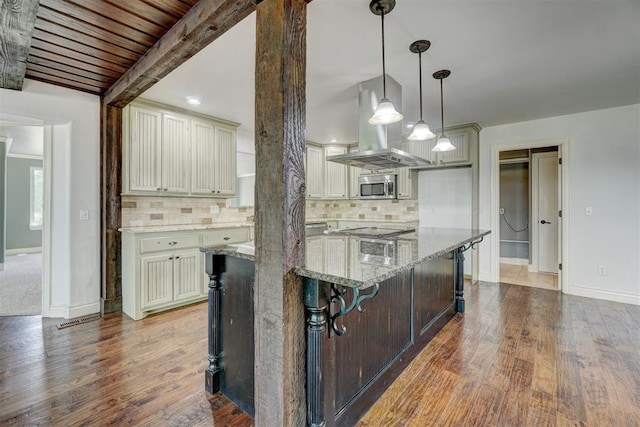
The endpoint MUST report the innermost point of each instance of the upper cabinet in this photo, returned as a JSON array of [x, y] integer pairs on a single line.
[[172, 152], [213, 159], [325, 180], [463, 137], [335, 177], [315, 171]]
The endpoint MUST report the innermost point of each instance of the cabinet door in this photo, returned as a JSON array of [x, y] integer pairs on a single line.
[[354, 187], [407, 183], [144, 150], [175, 153], [335, 176], [336, 255], [423, 149], [460, 140], [156, 280], [314, 254], [203, 157], [314, 171], [187, 279], [225, 164]]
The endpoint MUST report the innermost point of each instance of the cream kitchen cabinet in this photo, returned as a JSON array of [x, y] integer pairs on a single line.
[[407, 183], [314, 172], [325, 180], [213, 159], [158, 151], [335, 175], [463, 137], [170, 151], [163, 270]]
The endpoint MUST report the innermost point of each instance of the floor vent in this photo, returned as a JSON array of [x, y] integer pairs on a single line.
[[79, 321]]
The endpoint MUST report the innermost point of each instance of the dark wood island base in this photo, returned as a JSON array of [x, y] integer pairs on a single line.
[[360, 333]]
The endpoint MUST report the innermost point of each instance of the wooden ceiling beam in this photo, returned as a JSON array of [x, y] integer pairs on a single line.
[[17, 21], [205, 22]]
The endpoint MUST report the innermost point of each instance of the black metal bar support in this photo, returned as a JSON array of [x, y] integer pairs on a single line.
[[212, 373], [459, 279], [316, 300]]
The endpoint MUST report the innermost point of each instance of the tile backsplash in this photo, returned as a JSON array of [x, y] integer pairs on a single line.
[[143, 211], [373, 210]]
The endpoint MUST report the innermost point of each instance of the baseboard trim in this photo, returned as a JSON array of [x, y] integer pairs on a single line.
[[514, 261], [62, 311], [533, 268], [485, 277], [605, 295], [34, 250]]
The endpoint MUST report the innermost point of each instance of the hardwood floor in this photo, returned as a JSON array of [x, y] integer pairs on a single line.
[[113, 371], [523, 357], [518, 357]]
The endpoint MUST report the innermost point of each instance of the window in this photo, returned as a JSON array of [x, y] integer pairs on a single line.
[[36, 197]]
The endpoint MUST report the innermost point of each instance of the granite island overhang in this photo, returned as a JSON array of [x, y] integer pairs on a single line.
[[372, 305]]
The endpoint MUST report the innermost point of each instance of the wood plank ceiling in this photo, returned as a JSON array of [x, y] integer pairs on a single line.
[[88, 44]]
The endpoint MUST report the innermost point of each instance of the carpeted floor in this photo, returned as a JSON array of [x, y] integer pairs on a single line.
[[21, 285]]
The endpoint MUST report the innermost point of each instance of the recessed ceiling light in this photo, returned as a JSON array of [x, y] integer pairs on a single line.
[[192, 100], [333, 141], [410, 125]]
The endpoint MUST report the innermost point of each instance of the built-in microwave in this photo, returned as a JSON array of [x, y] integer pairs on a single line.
[[377, 186]]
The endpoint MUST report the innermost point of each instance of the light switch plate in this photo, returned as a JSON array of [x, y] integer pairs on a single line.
[[588, 211], [84, 214]]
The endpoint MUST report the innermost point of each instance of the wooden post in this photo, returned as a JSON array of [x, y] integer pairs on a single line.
[[280, 213], [111, 218]]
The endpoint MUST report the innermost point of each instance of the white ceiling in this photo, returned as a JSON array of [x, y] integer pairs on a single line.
[[511, 61]]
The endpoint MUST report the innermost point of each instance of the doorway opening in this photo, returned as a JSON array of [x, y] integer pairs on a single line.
[[529, 200], [528, 211], [23, 188]]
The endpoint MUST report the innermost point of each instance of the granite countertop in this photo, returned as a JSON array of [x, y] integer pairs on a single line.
[[184, 227], [410, 249]]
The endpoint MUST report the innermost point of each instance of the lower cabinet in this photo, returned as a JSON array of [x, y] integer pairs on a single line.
[[166, 270]]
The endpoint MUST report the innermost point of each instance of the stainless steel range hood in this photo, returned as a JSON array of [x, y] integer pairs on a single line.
[[379, 146]]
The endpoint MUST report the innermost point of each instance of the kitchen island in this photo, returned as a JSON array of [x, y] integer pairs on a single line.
[[373, 302]]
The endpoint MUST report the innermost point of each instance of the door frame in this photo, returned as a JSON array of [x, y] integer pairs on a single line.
[[564, 283]]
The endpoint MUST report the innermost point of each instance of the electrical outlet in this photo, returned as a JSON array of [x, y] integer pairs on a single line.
[[588, 211], [501, 211], [602, 270], [214, 209]]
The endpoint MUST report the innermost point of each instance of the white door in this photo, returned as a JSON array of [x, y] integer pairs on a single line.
[[335, 175], [546, 188], [203, 156]]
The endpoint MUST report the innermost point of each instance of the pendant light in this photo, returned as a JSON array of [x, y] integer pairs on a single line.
[[443, 143], [421, 131], [385, 112]]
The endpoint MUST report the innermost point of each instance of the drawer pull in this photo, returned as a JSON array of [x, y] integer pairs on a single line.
[[226, 238], [173, 243]]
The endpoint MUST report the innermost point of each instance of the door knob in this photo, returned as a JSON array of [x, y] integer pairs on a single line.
[[544, 222]]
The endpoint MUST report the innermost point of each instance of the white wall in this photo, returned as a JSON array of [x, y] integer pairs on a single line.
[[444, 200], [604, 173], [75, 245]]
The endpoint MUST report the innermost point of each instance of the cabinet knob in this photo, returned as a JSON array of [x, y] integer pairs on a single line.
[[177, 257], [213, 191], [226, 238], [158, 189], [165, 189]]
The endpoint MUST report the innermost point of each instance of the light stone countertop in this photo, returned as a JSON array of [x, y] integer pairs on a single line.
[[183, 227], [413, 248]]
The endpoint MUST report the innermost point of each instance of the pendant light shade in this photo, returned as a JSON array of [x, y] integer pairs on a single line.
[[421, 131], [385, 112], [443, 143]]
